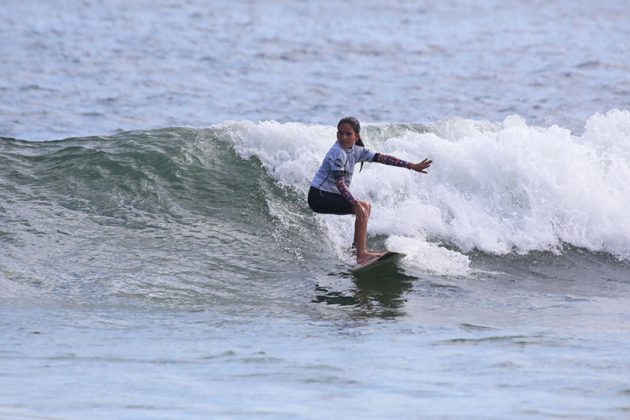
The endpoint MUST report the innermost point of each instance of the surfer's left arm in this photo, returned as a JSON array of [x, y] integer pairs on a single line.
[[394, 161]]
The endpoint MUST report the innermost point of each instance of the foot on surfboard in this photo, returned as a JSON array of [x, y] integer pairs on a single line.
[[353, 251], [369, 256], [380, 258]]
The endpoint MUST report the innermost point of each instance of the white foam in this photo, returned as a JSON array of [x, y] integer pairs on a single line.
[[494, 187], [430, 257]]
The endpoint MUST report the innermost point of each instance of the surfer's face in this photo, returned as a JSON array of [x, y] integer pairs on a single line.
[[346, 136]]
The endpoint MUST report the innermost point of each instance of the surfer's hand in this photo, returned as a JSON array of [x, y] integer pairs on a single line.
[[421, 167]]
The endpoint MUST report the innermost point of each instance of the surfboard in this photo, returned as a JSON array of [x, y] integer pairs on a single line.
[[387, 257]]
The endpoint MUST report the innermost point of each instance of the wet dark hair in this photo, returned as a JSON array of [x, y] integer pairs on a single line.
[[356, 126]]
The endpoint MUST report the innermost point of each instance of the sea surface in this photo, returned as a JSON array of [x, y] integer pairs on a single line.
[[158, 258]]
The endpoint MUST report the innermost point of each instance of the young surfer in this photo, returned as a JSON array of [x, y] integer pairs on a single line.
[[329, 191]]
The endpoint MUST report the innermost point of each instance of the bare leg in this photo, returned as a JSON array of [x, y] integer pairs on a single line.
[[360, 235]]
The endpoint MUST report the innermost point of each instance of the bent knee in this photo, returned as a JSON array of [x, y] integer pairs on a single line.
[[367, 205]]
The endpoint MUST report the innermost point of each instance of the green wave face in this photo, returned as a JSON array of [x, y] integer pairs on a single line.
[[131, 213]]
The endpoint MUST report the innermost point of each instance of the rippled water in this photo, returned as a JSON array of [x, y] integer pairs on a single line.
[[177, 272], [86, 67]]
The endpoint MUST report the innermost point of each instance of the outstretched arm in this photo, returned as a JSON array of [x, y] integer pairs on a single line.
[[394, 161]]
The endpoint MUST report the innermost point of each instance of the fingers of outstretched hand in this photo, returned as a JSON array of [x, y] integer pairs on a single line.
[[420, 167]]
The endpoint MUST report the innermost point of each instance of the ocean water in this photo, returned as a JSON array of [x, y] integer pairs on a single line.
[[158, 259]]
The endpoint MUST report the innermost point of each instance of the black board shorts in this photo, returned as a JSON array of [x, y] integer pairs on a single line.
[[326, 202]]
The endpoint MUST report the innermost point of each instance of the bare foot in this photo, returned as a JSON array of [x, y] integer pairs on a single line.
[[369, 251], [366, 257]]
